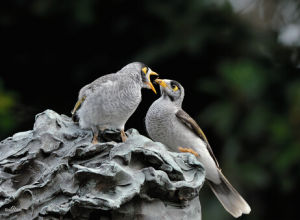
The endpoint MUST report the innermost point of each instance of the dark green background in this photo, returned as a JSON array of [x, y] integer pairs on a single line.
[[242, 86]]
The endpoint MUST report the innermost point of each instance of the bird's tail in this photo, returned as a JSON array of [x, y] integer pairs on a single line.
[[231, 200]]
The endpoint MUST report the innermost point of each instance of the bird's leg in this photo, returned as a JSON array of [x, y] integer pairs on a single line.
[[123, 135], [95, 136], [189, 150]]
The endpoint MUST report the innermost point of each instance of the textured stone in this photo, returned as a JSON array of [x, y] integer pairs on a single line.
[[54, 172]]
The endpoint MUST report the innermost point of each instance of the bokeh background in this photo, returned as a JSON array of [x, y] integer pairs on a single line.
[[238, 61]]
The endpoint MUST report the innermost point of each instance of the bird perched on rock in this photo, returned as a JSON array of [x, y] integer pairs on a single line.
[[167, 123], [109, 101]]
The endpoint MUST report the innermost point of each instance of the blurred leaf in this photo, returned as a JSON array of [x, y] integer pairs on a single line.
[[83, 11], [293, 94], [255, 175], [289, 156], [255, 123], [41, 7], [280, 130], [222, 115], [287, 184], [231, 150], [244, 77], [210, 86], [7, 102]]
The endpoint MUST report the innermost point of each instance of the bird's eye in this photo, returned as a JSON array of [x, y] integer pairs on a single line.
[[174, 87], [145, 69]]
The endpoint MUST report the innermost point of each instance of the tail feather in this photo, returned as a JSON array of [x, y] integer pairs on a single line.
[[231, 200]]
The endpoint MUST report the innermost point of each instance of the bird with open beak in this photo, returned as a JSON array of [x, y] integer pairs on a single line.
[[109, 101], [168, 123]]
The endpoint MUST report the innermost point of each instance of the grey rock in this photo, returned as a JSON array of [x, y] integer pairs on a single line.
[[54, 172]]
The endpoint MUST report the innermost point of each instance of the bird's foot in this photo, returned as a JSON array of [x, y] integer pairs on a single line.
[[95, 138], [95, 141], [189, 150], [123, 136]]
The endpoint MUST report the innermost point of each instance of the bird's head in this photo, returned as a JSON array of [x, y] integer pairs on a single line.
[[171, 90], [142, 72], [146, 72]]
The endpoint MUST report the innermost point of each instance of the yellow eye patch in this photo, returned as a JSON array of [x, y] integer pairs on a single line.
[[175, 88], [144, 70]]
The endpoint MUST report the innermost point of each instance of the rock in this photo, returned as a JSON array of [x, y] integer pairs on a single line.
[[54, 172]]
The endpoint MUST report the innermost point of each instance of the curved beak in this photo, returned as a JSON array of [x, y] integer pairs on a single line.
[[150, 73], [161, 83]]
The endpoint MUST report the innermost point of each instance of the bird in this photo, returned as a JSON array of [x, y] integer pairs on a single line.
[[168, 123], [109, 101]]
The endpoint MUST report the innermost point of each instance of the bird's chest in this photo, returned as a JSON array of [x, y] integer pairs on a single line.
[[160, 124], [129, 98], [177, 134], [165, 127]]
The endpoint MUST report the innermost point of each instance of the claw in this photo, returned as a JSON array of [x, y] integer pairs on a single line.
[[95, 141], [189, 150], [95, 138], [123, 136]]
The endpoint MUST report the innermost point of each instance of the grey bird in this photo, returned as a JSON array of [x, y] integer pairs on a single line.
[[109, 101], [167, 123]]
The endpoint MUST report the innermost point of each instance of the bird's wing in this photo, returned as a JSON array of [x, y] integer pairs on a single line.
[[90, 88], [112, 77], [98, 83], [77, 105], [192, 124]]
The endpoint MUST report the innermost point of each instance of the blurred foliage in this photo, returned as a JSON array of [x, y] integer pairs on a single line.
[[245, 83], [7, 119], [256, 116]]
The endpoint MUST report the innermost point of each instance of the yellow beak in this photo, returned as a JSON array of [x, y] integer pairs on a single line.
[[153, 73], [149, 81], [161, 83], [152, 87]]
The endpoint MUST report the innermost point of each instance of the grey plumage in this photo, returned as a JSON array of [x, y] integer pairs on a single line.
[[109, 101], [167, 123]]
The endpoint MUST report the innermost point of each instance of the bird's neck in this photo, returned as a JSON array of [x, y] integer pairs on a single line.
[[166, 98]]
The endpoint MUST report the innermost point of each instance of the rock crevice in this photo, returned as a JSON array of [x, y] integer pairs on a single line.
[[54, 172]]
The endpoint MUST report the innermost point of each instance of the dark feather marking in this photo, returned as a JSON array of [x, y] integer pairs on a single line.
[[192, 124]]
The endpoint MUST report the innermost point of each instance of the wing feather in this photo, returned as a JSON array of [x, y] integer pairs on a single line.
[[90, 88], [192, 124]]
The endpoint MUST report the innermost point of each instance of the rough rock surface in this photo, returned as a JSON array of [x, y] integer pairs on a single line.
[[54, 172]]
